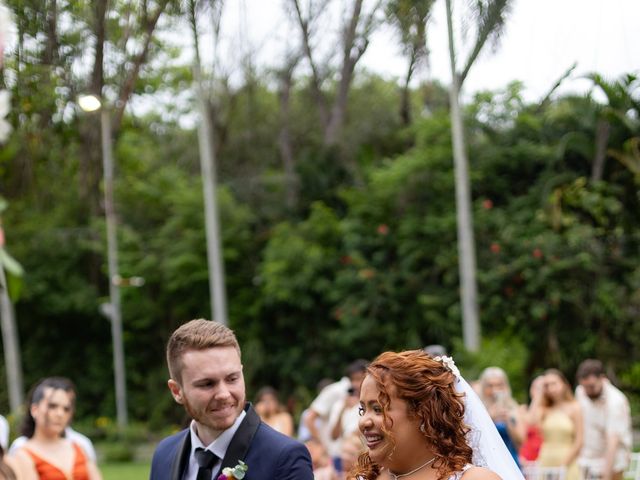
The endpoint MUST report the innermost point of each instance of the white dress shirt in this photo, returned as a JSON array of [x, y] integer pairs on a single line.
[[219, 447]]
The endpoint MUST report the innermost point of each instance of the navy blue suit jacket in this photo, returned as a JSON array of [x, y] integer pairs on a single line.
[[269, 455]]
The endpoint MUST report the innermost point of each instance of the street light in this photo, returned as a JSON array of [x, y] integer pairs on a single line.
[[91, 103]]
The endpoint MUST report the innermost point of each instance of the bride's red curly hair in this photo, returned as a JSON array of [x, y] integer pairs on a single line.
[[428, 388]]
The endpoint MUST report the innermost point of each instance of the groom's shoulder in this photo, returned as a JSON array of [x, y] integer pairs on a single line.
[[267, 437], [278, 456], [171, 442]]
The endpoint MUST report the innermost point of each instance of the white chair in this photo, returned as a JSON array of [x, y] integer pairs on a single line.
[[633, 472], [536, 472]]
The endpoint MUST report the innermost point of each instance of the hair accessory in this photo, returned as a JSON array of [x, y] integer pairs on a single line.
[[449, 364]]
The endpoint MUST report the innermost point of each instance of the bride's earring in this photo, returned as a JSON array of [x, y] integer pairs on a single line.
[[422, 429]]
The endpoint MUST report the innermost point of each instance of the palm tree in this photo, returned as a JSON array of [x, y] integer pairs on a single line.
[[489, 16], [410, 18]]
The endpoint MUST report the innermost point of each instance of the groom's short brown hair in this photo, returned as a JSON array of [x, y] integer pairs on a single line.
[[197, 334]]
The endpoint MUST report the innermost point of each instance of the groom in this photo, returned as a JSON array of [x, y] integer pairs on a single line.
[[206, 378]]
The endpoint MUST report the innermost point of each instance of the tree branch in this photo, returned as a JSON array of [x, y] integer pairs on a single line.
[[316, 83], [129, 83]]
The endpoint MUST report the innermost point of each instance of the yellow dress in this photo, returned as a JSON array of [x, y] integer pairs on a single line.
[[558, 431]]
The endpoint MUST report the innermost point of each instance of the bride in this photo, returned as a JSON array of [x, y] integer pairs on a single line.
[[421, 421]]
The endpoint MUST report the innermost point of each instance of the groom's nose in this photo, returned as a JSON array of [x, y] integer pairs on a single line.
[[222, 392]]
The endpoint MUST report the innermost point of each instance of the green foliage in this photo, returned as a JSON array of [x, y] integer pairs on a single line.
[[366, 260], [505, 351]]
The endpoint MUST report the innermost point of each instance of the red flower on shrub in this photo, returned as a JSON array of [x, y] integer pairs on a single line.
[[495, 247], [367, 273], [487, 204], [537, 253], [346, 260], [383, 229]]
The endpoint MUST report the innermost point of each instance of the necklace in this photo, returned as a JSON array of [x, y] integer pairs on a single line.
[[395, 476]]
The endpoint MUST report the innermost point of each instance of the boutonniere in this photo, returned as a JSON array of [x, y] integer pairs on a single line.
[[236, 473]]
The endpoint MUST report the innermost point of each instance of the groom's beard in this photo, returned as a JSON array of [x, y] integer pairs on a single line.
[[208, 419]]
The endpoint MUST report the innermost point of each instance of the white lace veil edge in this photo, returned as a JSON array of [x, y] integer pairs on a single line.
[[489, 450]]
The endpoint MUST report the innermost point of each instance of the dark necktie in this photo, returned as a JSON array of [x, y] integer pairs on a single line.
[[206, 460]]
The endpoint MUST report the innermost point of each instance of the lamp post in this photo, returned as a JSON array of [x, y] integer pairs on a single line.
[[91, 103]]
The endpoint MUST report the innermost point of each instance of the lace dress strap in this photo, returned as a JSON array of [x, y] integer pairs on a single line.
[[458, 475]]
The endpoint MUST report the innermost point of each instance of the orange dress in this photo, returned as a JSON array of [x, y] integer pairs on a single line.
[[47, 471]]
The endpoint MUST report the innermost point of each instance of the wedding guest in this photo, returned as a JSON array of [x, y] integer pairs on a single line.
[[48, 454], [272, 412], [304, 433], [607, 420], [352, 447], [322, 405], [495, 393], [560, 419], [76, 437], [7, 467], [322, 465], [530, 448], [343, 419], [4, 433]]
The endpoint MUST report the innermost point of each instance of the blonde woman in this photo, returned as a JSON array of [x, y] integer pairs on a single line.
[[505, 412]]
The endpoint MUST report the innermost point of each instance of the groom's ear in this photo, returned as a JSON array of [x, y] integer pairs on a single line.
[[176, 390]]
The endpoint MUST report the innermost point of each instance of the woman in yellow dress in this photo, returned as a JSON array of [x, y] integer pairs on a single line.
[[560, 419]]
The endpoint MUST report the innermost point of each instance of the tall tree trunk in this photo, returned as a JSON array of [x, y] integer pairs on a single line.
[[284, 137], [126, 90], [405, 99], [11, 347], [339, 108], [333, 117], [217, 290], [603, 130], [466, 248], [90, 161], [316, 80]]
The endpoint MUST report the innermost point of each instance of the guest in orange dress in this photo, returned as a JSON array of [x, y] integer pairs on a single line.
[[48, 455]]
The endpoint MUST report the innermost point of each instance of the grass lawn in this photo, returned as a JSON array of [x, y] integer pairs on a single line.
[[125, 470]]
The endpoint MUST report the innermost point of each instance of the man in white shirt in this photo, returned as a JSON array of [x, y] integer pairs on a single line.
[[328, 407], [607, 421]]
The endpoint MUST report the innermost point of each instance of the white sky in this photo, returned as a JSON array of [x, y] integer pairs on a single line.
[[543, 39]]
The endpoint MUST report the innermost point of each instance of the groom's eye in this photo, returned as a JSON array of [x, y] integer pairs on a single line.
[[361, 410]]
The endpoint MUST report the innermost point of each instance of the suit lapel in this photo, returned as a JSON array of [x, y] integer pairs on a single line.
[[183, 451], [241, 441]]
